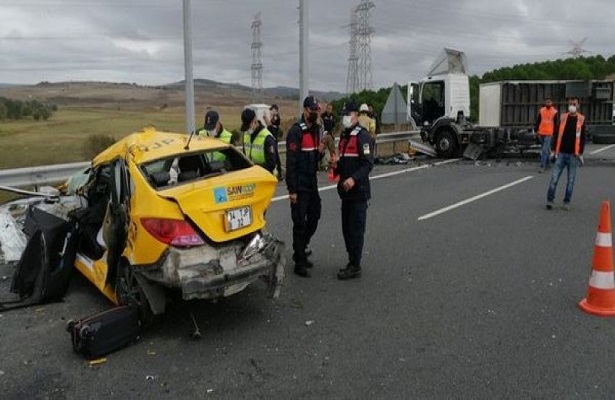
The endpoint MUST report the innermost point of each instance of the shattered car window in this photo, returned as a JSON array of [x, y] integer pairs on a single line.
[[190, 167]]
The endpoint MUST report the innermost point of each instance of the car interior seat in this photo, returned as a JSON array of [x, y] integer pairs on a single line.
[[190, 167]]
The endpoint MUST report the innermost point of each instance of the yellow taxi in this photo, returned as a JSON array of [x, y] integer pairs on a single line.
[[168, 213]]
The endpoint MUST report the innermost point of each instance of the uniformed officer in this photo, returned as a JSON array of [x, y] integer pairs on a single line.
[[213, 128], [259, 145], [303, 152], [356, 160]]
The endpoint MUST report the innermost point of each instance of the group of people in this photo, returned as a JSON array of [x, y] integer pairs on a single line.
[[563, 141], [306, 143]]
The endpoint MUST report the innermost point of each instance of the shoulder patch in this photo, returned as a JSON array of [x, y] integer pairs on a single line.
[[292, 146], [366, 148]]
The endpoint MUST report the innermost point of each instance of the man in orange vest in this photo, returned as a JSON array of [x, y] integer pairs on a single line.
[[546, 125], [567, 148]]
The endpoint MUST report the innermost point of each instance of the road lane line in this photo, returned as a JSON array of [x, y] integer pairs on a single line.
[[471, 199], [602, 149], [385, 175]]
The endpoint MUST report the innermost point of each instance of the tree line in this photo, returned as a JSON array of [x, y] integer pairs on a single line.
[[580, 68], [11, 109]]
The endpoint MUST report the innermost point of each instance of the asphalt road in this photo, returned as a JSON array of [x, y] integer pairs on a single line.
[[476, 302]]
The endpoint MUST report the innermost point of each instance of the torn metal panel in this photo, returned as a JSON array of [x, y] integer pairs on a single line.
[[423, 148]]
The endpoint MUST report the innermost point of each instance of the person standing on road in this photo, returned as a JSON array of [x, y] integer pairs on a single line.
[[273, 124], [546, 125], [328, 140], [213, 128], [356, 151], [303, 153], [567, 148], [367, 121], [259, 145]]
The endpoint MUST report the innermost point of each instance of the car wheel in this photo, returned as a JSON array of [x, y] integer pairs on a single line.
[[446, 144], [129, 292]]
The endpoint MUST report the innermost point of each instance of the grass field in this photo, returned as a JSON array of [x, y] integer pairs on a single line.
[[63, 138]]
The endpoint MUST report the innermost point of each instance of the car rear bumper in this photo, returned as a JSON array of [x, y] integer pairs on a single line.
[[208, 272]]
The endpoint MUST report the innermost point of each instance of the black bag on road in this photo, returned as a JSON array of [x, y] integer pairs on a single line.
[[105, 332]]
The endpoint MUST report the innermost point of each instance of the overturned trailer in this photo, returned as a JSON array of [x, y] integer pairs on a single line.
[[515, 104]]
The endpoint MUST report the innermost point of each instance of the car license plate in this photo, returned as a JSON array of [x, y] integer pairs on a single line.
[[238, 218]]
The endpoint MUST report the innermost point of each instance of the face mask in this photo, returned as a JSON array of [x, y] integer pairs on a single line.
[[572, 109], [347, 121], [313, 117]]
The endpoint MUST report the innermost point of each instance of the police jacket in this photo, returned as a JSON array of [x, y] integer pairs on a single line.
[[302, 157], [356, 160], [261, 148]]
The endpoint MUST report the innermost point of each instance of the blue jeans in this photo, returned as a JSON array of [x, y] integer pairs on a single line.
[[545, 154], [564, 160]]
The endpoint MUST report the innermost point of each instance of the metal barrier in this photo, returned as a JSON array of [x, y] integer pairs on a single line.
[[46, 174]]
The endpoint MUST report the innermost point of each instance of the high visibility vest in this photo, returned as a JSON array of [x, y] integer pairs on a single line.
[[547, 121], [224, 136], [255, 151], [562, 127]]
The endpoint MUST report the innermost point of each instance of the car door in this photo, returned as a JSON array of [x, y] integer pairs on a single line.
[[115, 226]]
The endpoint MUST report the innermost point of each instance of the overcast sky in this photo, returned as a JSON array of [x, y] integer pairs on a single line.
[[142, 40]]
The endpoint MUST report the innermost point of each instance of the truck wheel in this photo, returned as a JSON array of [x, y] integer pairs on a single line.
[[446, 144]]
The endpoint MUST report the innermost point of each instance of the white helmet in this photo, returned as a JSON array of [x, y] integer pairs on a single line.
[[363, 107]]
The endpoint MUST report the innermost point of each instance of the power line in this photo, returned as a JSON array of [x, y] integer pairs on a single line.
[[360, 59], [257, 65], [352, 79]]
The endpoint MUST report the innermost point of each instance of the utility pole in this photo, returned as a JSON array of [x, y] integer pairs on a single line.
[[303, 53], [189, 81]]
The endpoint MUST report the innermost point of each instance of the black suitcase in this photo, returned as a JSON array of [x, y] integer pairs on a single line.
[[105, 332]]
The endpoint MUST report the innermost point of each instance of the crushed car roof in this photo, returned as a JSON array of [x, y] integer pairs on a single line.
[[151, 144]]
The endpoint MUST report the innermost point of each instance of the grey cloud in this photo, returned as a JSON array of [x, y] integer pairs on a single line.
[[142, 40]]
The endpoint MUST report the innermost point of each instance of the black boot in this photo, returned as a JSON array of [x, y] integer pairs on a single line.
[[350, 272], [301, 268]]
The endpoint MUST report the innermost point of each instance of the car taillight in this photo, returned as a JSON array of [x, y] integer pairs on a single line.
[[173, 232]]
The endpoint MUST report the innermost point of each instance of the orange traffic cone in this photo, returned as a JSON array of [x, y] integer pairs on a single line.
[[600, 298], [332, 176]]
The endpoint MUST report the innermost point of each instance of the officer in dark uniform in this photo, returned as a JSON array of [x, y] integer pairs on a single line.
[[303, 153], [356, 160]]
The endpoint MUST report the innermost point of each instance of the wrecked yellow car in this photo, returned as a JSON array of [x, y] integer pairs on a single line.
[[161, 213]]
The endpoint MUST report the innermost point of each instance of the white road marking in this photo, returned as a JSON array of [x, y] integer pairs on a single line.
[[471, 199], [602, 149], [385, 175]]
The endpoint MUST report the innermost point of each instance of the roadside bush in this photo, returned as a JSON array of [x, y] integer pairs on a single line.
[[95, 144]]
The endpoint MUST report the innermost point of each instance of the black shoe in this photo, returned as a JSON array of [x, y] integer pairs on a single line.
[[349, 273], [301, 269], [549, 205], [308, 252]]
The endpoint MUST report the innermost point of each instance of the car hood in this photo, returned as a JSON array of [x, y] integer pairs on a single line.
[[206, 202]]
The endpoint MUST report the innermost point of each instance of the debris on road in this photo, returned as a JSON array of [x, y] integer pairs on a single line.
[[97, 362], [308, 323]]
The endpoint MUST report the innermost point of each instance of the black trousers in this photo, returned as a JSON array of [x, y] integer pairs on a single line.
[[354, 218], [305, 214]]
